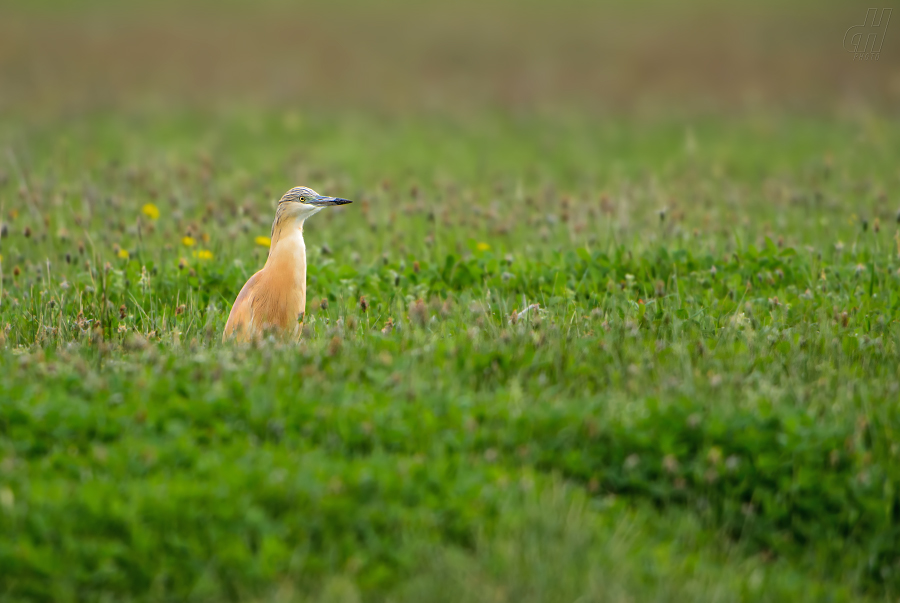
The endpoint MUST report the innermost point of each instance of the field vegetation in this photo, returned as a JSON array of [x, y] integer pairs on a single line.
[[553, 352]]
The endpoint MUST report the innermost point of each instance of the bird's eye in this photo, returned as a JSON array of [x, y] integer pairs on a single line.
[[301, 199]]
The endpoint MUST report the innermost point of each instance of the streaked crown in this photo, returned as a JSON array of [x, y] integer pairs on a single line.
[[299, 193]]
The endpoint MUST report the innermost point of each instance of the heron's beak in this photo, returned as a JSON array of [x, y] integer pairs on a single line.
[[322, 201]]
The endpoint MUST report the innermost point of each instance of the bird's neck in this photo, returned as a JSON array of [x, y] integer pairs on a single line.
[[287, 254]]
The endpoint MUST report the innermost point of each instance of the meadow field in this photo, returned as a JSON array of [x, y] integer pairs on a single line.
[[558, 349]]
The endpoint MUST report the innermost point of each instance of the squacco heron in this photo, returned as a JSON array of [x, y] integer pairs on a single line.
[[274, 299]]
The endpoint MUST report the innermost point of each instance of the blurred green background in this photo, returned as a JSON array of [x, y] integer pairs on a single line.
[[700, 196]]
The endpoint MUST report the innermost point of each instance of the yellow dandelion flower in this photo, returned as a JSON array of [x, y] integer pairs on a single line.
[[123, 253], [482, 247], [151, 211], [264, 241], [203, 254], [188, 241]]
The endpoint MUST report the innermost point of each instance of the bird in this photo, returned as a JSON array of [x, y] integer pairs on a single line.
[[273, 301]]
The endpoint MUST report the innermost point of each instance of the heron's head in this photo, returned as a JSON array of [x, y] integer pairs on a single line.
[[301, 202]]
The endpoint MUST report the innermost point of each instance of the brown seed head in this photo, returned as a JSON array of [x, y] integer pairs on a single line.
[[388, 326], [334, 346], [418, 313]]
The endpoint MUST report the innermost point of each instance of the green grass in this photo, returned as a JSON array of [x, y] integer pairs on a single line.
[[701, 407]]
